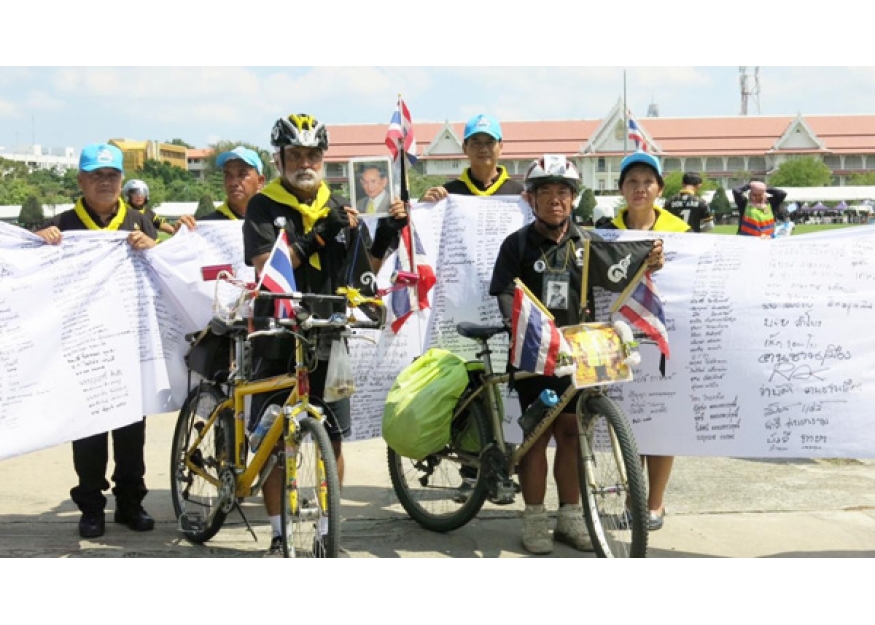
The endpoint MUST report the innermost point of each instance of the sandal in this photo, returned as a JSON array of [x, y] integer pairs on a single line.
[[655, 519]]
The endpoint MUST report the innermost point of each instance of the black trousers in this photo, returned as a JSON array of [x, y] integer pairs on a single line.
[[90, 459]]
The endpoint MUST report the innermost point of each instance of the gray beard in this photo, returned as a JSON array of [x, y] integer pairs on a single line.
[[307, 184]]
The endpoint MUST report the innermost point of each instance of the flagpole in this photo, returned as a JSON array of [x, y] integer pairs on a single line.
[[534, 299], [625, 118], [629, 288], [584, 278], [405, 197]]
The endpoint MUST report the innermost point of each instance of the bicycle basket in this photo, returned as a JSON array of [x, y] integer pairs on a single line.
[[209, 354]]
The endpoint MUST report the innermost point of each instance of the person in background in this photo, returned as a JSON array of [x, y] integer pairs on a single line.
[[243, 177], [689, 206], [102, 208], [377, 198], [757, 210], [482, 144]]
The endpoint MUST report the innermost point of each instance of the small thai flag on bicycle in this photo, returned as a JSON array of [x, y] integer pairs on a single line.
[[643, 309], [278, 276], [536, 344]]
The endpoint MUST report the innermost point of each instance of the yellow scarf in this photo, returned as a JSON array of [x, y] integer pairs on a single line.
[[492, 188], [115, 224], [224, 209], [310, 213]]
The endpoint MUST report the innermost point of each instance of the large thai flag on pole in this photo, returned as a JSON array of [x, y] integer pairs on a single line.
[[399, 137], [637, 135], [411, 258], [643, 309], [278, 276], [536, 343]]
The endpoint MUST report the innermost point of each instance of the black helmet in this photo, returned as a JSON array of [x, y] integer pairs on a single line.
[[299, 130]]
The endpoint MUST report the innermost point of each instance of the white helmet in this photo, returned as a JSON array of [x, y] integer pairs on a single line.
[[551, 168], [135, 186]]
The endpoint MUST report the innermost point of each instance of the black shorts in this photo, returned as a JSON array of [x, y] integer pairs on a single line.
[[529, 389], [338, 414]]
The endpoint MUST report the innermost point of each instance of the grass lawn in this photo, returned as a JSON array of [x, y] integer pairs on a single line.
[[799, 229]]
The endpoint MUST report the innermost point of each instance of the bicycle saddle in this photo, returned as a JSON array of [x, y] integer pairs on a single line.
[[476, 331]]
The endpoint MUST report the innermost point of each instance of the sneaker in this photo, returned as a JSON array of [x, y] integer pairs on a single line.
[[276, 548], [464, 491], [536, 531], [571, 529]]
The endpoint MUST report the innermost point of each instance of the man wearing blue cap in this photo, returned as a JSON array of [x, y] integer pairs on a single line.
[[243, 174], [482, 144], [101, 208]]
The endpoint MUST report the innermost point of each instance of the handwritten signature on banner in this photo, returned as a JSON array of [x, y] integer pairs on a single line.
[[772, 349]]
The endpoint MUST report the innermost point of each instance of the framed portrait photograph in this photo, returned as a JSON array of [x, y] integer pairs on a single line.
[[371, 185], [598, 353]]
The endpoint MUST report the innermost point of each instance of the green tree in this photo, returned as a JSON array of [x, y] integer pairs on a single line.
[[802, 172], [31, 214], [583, 212], [420, 183], [720, 205], [180, 142], [863, 180], [204, 207]]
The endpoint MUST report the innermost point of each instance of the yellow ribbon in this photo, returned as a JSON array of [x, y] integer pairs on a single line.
[[115, 224], [224, 209], [310, 213], [492, 188]]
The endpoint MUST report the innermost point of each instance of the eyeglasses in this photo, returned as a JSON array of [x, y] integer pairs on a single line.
[[562, 192], [103, 173], [478, 144]]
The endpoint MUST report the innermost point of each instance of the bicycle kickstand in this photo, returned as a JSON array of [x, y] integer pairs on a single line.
[[245, 520]]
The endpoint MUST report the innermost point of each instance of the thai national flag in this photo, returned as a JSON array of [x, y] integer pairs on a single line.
[[535, 341], [644, 311], [400, 134], [278, 276], [636, 135], [414, 297]]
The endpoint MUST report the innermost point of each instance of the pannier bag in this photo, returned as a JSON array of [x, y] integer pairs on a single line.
[[419, 407], [209, 354]]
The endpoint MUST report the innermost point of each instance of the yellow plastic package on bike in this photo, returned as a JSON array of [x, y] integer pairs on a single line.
[[419, 407]]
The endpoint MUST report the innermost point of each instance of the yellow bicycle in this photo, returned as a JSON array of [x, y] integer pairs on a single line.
[[212, 469]]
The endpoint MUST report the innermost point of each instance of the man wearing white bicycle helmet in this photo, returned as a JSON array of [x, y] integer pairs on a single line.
[[546, 256], [136, 194]]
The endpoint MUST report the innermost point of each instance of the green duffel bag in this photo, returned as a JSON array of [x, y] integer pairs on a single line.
[[419, 407]]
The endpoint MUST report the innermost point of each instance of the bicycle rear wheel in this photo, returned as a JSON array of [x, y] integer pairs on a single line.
[[311, 495], [445, 490], [611, 481], [195, 467]]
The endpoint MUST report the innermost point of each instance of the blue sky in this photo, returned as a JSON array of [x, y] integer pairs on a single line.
[[235, 97]]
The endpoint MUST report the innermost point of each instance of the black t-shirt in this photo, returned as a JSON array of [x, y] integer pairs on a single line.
[[134, 220], [217, 216], [260, 231], [508, 187], [519, 257], [691, 208]]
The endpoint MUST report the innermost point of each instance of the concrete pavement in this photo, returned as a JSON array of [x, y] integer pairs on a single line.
[[716, 507]]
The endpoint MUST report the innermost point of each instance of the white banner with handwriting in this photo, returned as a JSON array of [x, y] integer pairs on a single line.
[[772, 351]]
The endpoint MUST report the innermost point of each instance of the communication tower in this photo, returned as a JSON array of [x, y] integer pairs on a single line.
[[750, 88]]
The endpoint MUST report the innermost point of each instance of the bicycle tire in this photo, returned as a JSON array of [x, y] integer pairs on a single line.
[[312, 530], [196, 498], [429, 489], [611, 481]]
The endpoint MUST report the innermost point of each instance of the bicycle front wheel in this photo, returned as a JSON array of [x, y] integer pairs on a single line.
[[201, 448], [311, 495], [445, 490], [611, 481]]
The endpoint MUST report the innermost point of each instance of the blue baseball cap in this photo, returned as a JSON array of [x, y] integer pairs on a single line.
[[241, 153], [483, 123], [98, 155], [641, 157]]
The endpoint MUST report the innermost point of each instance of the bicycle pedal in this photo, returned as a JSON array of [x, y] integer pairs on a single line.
[[191, 522], [504, 494]]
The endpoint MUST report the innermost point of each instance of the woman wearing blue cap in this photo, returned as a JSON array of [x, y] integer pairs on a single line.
[[641, 183]]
